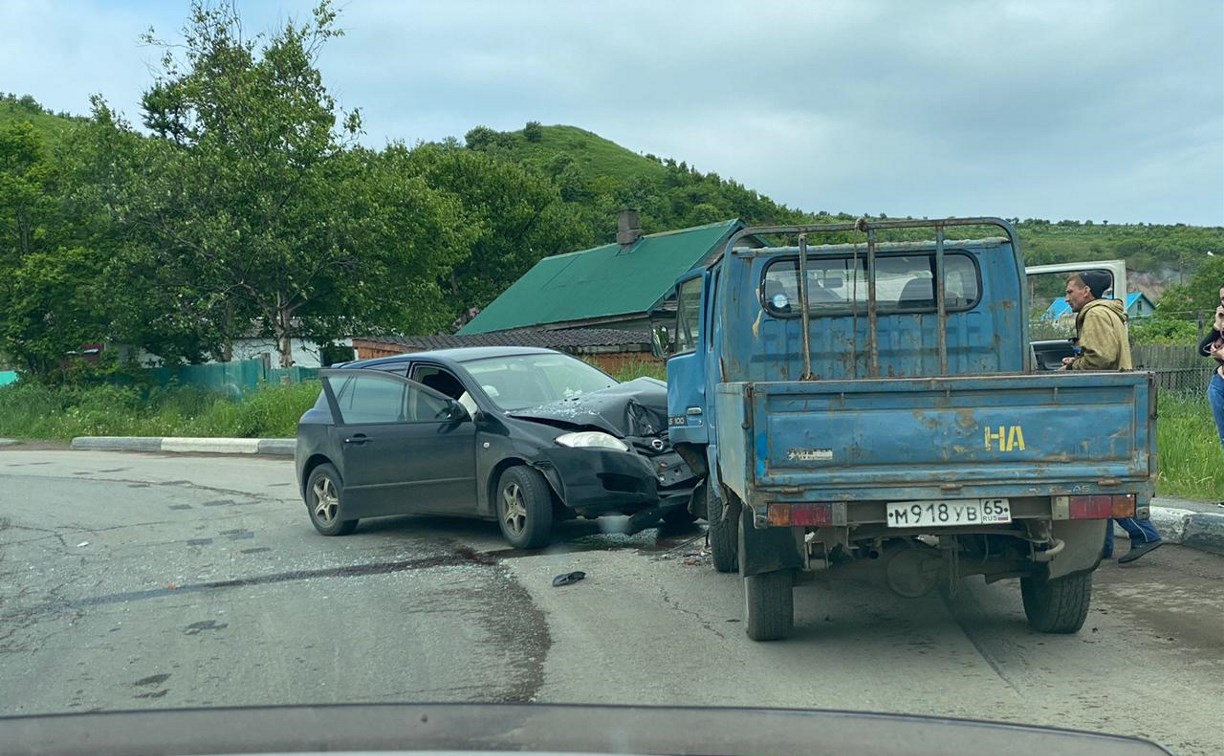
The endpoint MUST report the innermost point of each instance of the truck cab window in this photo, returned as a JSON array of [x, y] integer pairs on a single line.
[[837, 285], [688, 315]]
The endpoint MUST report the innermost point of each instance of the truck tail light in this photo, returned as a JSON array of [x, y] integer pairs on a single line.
[[1102, 506], [811, 515]]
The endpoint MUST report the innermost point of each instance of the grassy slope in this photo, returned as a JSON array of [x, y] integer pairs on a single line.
[[52, 127], [593, 154]]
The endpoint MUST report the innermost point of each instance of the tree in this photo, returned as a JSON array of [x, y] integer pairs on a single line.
[[533, 131], [254, 207], [50, 293], [514, 215], [1198, 298]]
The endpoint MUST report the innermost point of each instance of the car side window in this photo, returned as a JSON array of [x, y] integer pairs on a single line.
[[445, 383], [370, 398], [425, 407], [374, 397]]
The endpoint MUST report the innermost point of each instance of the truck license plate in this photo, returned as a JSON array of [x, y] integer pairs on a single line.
[[915, 514]]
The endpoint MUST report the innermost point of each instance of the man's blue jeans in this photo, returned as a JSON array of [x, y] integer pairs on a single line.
[[1215, 397], [1141, 531]]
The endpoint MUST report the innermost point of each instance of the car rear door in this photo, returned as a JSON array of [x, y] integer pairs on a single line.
[[403, 449]]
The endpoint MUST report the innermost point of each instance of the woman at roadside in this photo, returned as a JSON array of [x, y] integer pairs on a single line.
[[1212, 346]]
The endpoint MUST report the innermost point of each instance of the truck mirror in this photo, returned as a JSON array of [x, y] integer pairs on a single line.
[[660, 342]]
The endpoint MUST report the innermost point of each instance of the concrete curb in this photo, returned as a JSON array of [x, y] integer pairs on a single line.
[[1193, 528], [1205, 532], [118, 443], [276, 447]]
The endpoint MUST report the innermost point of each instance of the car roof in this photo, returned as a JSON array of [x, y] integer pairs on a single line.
[[458, 355]]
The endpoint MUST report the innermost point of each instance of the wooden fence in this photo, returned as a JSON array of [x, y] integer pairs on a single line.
[[1179, 369]]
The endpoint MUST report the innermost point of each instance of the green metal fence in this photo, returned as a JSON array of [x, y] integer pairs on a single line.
[[234, 379]]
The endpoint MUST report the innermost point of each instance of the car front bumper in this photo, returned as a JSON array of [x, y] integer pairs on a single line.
[[595, 482]]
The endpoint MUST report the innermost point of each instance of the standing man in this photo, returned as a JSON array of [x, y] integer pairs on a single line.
[[1100, 325]]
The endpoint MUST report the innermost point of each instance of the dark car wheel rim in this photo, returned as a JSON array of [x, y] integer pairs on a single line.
[[514, 509], [326, 501]]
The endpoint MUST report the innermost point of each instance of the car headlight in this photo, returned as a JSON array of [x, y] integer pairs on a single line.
[[593, 439]]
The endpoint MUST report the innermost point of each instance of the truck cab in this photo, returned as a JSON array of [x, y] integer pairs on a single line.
[[875, 404]]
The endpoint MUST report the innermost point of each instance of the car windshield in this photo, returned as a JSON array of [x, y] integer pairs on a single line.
[[529, 380]]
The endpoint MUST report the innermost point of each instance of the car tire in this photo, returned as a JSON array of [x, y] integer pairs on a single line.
[[679, 517], [325, 502], [724, 534], [769, 605], [1056, 606], [524, 508]]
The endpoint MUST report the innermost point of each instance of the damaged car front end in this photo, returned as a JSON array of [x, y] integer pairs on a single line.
[[615, 456]]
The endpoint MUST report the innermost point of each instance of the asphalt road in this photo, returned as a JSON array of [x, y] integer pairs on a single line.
[[151, 581]]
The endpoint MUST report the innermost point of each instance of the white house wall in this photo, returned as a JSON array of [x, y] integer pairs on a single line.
[[305, 353]]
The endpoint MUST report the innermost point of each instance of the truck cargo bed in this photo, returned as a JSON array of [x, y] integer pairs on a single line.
[[999, 435]]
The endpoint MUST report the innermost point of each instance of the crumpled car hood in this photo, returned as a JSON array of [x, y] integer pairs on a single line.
[[635, 408]]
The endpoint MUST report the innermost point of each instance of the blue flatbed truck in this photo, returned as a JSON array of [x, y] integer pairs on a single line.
[[876, 404]]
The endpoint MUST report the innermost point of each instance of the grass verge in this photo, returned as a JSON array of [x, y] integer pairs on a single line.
[[1188, 450], [40, 412]]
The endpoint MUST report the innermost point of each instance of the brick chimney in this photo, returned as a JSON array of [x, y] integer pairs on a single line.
[[628, 228]]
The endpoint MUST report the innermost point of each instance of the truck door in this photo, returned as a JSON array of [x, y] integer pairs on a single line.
[[686, 369], [1051, 322]]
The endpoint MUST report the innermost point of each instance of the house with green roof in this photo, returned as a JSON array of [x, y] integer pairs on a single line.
[[613, 286]]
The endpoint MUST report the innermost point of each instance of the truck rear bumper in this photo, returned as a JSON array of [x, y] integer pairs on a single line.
[[769, 511], [1066, 533]]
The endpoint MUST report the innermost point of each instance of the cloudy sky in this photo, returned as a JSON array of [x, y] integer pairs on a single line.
[[1085, 109]]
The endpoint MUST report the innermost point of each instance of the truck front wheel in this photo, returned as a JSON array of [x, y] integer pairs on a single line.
[[769, 605], [724, 532], [1056, 606]]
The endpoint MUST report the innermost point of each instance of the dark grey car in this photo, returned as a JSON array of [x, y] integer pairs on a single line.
[[521, 435]]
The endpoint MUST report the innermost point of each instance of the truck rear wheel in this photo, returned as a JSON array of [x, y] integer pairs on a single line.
[[1056, 606], [769, 605], [723, 535]]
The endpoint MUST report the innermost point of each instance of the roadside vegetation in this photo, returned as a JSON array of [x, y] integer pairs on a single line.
[[33, 411], [1188, 449]]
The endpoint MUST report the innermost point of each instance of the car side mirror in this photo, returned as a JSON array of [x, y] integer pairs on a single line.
[[456, 412]]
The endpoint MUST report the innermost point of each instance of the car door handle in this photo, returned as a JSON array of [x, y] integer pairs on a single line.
[[359, 439]]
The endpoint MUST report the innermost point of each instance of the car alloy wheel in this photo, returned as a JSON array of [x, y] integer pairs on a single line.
[[524, 508], [326, 501], [514, 509]]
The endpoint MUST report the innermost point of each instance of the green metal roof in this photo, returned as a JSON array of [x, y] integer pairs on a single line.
[[601, 282]]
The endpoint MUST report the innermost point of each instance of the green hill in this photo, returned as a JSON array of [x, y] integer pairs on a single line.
[[598, 174], [596, 177], [591, 153], [52, 126]]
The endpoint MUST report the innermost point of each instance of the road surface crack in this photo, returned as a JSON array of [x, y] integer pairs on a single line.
[[676, 605]]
